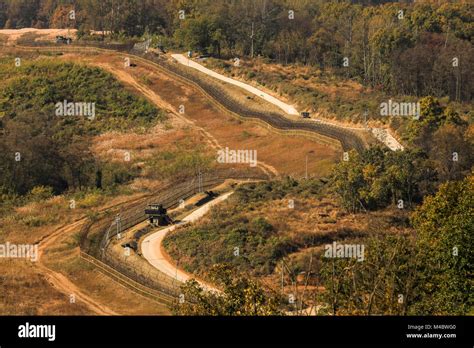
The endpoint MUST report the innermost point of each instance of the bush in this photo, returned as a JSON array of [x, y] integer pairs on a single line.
[[40, 193]]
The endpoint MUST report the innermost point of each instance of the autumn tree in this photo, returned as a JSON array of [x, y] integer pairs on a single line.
[[239, 296], [445, 250]]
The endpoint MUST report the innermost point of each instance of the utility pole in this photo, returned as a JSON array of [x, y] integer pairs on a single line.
[[306, 171], [118, 225], [458, 84], [176, 274], [199, 181], [282, 279]]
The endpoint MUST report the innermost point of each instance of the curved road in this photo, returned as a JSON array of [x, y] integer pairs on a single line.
[[152, 251], [382, 135], [343, 135], [289, 109]]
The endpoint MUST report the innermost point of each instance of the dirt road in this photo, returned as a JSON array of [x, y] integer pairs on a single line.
[[289, 109], [61, 282], [159, 102]]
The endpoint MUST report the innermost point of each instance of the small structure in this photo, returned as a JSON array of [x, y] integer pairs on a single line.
[[142, 46], [305, 114], [63, 40], [157, 215]]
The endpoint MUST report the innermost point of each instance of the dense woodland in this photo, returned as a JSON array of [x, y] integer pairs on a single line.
[[405, 48]]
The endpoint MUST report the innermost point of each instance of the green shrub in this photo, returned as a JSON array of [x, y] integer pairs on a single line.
[[40, 193]]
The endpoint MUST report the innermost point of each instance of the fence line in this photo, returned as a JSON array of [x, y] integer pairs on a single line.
[[169, 195], [346, 137]]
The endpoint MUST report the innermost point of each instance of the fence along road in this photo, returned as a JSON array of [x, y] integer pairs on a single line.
[[346, 137], [169, 195], [381, 134], [133, 216], [289, 109], [151, 245]]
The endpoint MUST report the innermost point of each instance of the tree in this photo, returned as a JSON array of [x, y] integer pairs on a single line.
[[196, 34], [376, 284], [445, 250], [348, 179], [240, 296], [378, 177], [451, 153]]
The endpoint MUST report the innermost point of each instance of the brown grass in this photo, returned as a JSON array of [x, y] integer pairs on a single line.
[[286, 153]]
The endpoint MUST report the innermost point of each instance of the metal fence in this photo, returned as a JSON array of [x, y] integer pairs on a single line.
[[347, 138], [169, 195]]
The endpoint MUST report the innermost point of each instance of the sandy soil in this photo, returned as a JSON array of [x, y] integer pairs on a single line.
[[62, 283], [276, 153], [43, 34], [282, 154]]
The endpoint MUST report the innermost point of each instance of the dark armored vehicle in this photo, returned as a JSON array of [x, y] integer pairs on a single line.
[[132, 245]]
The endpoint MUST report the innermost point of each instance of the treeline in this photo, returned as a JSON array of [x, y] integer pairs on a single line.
[[422, 268], [422, 48], [442, 148], [424, 273]]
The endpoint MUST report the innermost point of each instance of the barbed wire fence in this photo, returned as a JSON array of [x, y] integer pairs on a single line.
[[347, 138], [169, 195]]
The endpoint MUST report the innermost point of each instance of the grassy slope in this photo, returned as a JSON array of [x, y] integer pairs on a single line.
[[326, 95], [40, 84], [258, 220]]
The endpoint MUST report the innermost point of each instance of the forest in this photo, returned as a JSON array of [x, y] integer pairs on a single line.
[[385, 45], [43, 153]]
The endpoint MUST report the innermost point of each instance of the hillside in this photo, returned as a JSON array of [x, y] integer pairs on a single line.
[[237, 158]]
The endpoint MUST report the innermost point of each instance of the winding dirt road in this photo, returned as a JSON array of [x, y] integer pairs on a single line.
[[151, 246], [60, 281], [159, 102], [289, 109]]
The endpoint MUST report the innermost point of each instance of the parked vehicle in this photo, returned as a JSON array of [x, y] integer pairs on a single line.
[[63, 40], [305, 114]]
